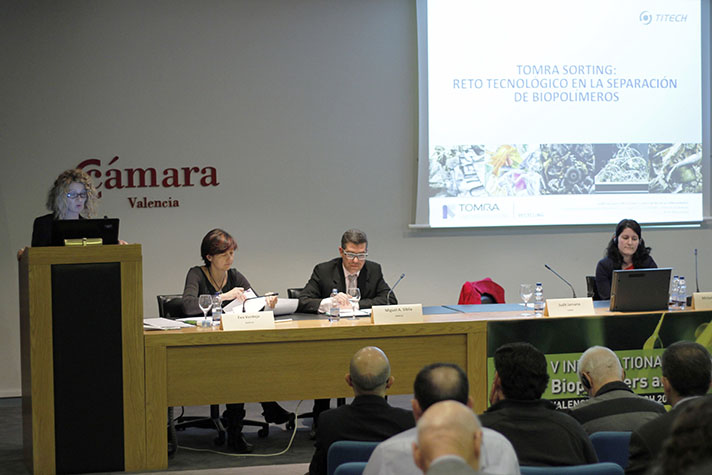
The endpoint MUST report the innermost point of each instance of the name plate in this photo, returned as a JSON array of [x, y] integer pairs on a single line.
[[397, 313], [569, 307], [702, 300], [247, 321]]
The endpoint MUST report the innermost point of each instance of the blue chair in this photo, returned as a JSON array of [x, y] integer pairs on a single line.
[[344, 451], [612, 446], [606, 468], [350, 468]]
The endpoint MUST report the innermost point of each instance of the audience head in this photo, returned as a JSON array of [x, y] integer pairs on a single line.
[[627, 242], [521, 371], [369, 372], [690, 441], [439, 382], [687, 370], [72, 195], [599, 366], [448, 428], [353, 250], [217, 245]]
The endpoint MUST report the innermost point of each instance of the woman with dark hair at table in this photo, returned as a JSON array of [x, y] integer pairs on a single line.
[[218, 277], [626, 250]]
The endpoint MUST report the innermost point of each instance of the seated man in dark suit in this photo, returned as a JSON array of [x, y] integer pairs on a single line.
[[449, 440], [612, 406], [687, 373], [369, 417], [541, 435], [350, 270]]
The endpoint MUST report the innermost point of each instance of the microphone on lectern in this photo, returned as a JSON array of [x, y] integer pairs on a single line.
[[697, 280], [565, 281], [390, 291]]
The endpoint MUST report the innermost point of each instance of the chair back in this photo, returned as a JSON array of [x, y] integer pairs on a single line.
[[592, 288], [343, 451], [294, 292], [481, 291], [170, 306], [350, 468], [612, 446], [606, 468]]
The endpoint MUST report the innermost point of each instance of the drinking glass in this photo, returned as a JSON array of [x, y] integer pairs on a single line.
[[525, 292], [354, 297], [205, 302]]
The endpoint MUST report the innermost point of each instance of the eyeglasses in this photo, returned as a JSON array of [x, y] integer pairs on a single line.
[[73, 195], [351, 256]]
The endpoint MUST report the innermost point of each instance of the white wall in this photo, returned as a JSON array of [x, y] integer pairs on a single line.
[[308, 110]]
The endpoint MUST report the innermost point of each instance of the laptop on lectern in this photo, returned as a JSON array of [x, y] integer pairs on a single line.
[[105, 228], [639, 290]]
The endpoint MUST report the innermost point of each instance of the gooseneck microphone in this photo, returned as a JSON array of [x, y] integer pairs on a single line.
[[697, 280], [390, 291], [565, 281]]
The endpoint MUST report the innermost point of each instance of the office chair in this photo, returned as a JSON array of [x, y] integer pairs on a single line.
[[606, 468], [344, 451], [350, 468], [592, 288], [294, 292], [612, 446], [171, 306]]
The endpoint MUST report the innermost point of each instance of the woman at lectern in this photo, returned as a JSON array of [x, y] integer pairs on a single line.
[[72, 196], [217, 276], [626, 250]]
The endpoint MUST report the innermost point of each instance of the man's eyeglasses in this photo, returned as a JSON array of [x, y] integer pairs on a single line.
[[351, 256], [73, 195]]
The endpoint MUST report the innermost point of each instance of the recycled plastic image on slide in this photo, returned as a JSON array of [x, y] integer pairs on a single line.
[[550, 169]]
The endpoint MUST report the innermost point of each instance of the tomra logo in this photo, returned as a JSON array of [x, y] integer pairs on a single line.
[[479, 207]]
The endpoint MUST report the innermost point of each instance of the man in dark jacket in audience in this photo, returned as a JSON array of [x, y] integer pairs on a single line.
[[687, 373], [541, 435], [369, 417]]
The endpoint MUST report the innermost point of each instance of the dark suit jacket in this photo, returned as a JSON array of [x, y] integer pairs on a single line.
[[604, 275], [330, 275], [647, 441], [42, 230], [367, 418], [540, 434]]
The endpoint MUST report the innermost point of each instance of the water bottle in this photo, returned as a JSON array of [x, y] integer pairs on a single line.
[[217, 309], [682, 294], [334, 310], [674, 291], [539, 300]]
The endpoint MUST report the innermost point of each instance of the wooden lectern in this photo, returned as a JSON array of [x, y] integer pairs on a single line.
[[81, 329]]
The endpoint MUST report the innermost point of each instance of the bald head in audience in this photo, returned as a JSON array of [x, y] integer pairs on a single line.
[[369, 372], [599, 366], [448, 428]]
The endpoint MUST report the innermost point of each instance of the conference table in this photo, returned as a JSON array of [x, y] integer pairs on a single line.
[[306, 357]]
